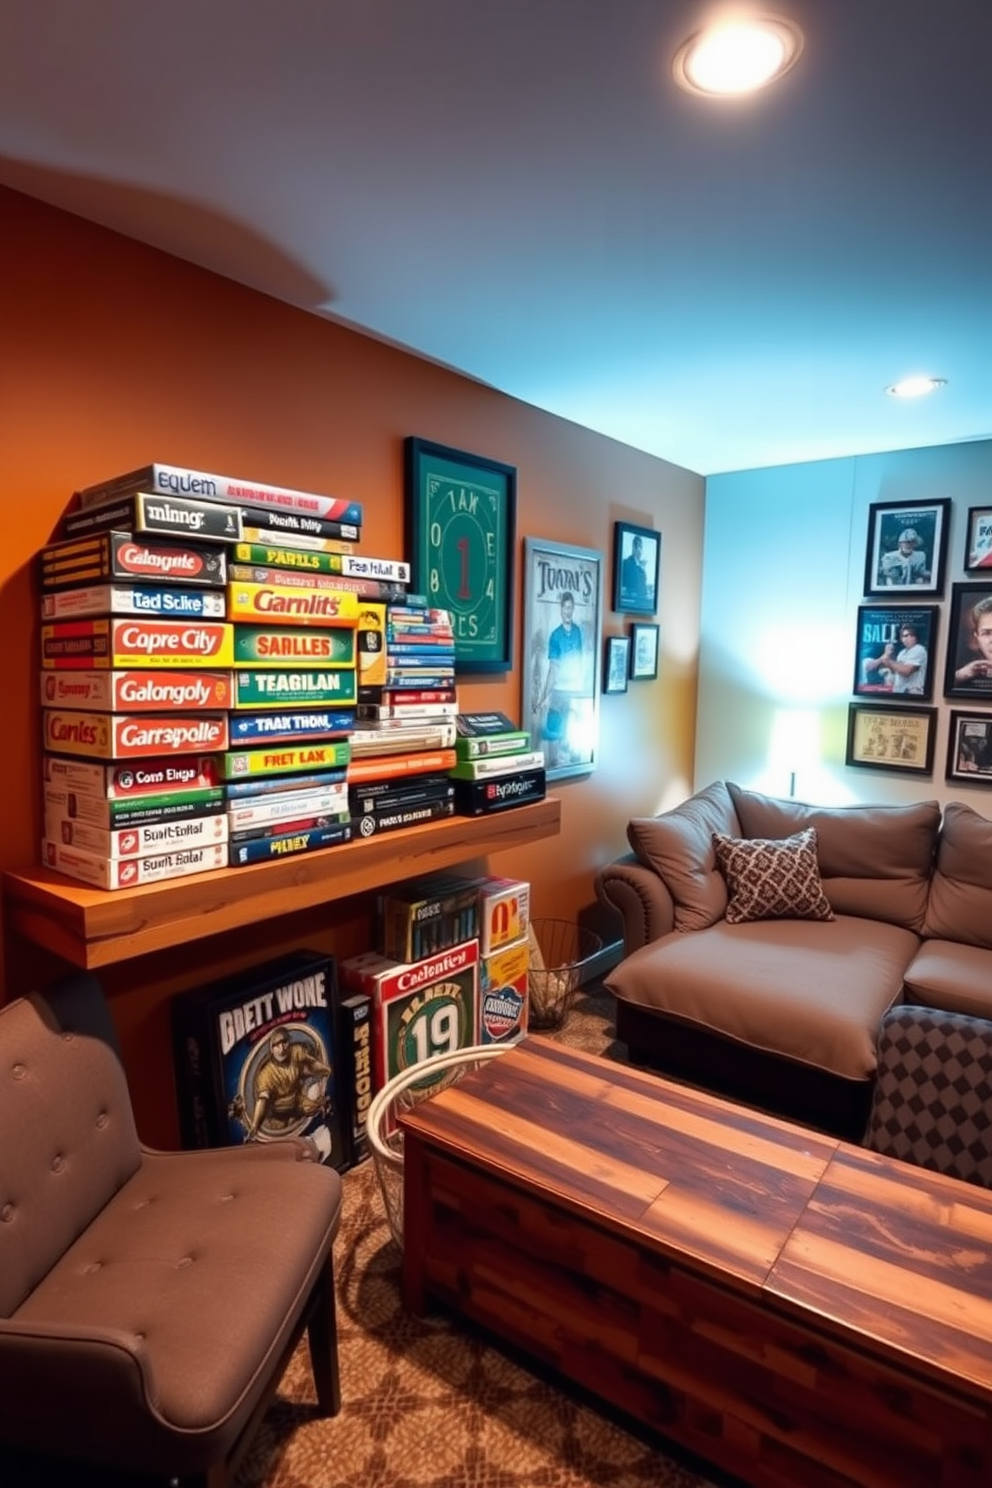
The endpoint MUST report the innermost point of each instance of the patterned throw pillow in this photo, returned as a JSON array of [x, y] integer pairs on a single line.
[[772, 879]]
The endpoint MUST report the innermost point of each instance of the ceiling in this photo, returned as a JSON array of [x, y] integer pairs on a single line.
[[516, 189]]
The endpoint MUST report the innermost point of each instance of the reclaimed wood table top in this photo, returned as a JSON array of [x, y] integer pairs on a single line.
[[888, 1255], [900, 1255], [687, 1173]]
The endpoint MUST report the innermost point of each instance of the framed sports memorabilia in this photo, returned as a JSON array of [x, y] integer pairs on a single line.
[[968, 670], [643, 652], [636, 564], [561, 654], [460, 517], [616, 664], [895, 652], [899, 739], [907, 547], [978, 540], [969, 748]]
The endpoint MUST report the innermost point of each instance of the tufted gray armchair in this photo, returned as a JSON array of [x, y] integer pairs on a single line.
[[148, 1301]]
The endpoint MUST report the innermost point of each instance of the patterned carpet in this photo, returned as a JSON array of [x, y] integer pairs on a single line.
[[430, 1403]]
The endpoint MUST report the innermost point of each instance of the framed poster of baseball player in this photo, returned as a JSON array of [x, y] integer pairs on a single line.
[[561, 654], [907, 547], [895, 652]]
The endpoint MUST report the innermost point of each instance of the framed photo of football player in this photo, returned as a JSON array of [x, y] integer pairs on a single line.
[[907, 547]]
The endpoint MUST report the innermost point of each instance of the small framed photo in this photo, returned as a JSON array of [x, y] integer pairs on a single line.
[[968, 672], [907, 547], [562, 653], [643, 652], [969, 748], [978, 540], [895, 649], [899, 739], [636, 566], [616, 664]]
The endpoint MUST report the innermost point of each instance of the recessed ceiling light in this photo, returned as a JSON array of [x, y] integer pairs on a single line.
[[916, 387], [736, 57]]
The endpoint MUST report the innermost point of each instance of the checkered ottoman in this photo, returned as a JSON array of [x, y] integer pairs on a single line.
[[932, 1103]]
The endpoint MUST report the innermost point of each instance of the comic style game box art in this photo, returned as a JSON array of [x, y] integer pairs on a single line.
[[255, 1058]]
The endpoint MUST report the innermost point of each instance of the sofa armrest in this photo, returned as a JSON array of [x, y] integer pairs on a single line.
[[640, 897]]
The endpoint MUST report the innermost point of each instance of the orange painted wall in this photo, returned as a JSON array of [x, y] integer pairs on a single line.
[[113, 354]]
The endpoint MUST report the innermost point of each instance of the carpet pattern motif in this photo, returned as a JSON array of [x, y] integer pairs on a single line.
[[430, 1403]]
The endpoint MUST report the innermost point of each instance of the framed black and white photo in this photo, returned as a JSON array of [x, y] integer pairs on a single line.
[[636, 567], [561, 654], [643, 652], [968, 670], [899, 739], [969, 748], [907, 547], [894, 657], [616, 664], [978, 540]]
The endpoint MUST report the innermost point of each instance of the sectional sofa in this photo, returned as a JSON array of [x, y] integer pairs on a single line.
[[766, 938]]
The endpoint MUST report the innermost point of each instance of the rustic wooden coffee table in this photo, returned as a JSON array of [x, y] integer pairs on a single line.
[[796, 1310]]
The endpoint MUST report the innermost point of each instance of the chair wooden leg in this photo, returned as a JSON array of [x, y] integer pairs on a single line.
[[322, 1337]]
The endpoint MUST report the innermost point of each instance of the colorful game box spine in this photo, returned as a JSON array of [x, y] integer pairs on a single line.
[[419, 762], [271, 519], [284, 689], [137, 691], [273, 727], [510, 764], [504, 912], [264, 811], [504, 994], [236, 764], [371, 646], [122, 555], [302, 578], [256, 535], [136, 644], [256, 1058], [119, 781], [288, 844], [134, 599], [114, 736], [269, 785], [428, 915], [144, 513], [179, 480], [139, 811], [128, 873], [134, 841], [480, 797], [286, 648], [374, 823], [427, 734], [354, 1025], [387, 795], [285, 604]]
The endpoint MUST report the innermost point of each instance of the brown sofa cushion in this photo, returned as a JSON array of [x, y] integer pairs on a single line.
[[777, 880], [678, 845], [960, 903], [948, 974], [806, 990], [875, 861]]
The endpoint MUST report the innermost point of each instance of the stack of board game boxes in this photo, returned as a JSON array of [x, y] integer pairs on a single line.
[[495, 767], [449, 970], [197, 700], [403, 743], [274, 1052]]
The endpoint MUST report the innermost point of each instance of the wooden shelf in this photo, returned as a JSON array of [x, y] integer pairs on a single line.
[[92, 928]]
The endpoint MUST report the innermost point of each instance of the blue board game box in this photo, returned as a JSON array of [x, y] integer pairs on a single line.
[[255, 1058]]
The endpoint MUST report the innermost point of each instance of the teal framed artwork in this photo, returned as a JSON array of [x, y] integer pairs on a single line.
[[461, 527]]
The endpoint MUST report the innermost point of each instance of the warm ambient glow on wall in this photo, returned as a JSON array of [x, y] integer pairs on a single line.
[[737, 54]]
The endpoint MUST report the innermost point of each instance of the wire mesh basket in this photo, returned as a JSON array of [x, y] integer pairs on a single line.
[[560, 951], [402, 1093]]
